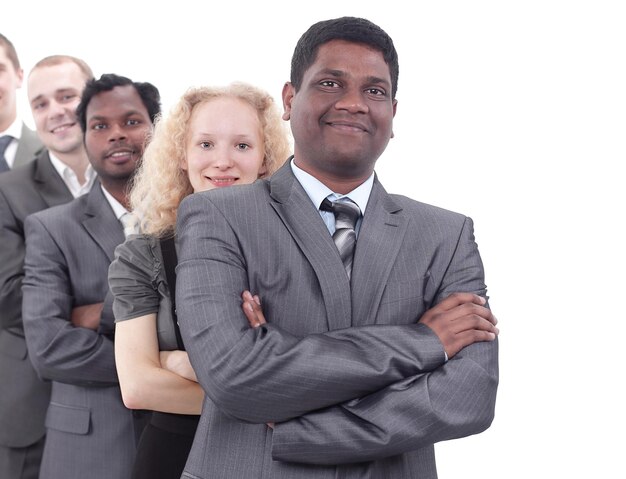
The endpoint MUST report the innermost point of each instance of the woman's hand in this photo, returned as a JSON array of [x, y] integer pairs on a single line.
[[252, 309], [178, 362]]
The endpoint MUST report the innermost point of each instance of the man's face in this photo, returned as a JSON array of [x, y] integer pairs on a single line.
[[342, 116], [54, 93], [10, 81], [117, 126]]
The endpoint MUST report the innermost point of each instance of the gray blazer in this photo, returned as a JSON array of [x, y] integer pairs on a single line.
[[24, 399], [27, 148], [68, 251], [356, 388]]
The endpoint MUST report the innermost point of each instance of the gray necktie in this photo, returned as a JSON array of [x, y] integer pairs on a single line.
[[346, 215], [4, 142]]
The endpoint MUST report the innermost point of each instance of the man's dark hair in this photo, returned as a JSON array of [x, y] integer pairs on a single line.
[[350, 29], [147, 91], [10, 51]]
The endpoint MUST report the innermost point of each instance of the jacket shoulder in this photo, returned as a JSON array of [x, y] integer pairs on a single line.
[[414, 207]]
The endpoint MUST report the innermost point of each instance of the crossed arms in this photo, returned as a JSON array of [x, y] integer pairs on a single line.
[[342, 396]]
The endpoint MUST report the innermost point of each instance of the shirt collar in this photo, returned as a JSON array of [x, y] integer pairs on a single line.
[[317, 191], [69, 177], [14, 129], [117, 207]]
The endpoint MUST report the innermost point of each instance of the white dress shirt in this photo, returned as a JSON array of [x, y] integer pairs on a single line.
[[70, 179], [317, 191]]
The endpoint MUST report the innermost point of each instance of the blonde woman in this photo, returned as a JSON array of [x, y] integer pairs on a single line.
[[212, 138]]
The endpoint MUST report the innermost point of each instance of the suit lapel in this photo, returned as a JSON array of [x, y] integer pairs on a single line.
[[101, 223], [381, 235], [28, 147], [49, 184], [303, 221]]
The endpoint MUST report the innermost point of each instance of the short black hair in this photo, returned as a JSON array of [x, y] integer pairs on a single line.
[[147, 91], [350, 29]]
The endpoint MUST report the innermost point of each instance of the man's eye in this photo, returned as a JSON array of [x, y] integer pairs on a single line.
[[98, 126], [375, 91], [133, 122]]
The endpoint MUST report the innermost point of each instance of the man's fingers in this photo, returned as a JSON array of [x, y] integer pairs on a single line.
[[457, 299], [473, 321]]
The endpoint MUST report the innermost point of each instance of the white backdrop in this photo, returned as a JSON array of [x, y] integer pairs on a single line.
[[511, 112]]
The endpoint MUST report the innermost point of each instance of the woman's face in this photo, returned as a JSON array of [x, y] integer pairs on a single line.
[[224, 144]]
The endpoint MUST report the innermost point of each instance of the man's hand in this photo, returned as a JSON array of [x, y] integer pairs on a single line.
[[460, 320], [87, 316], [252, 309]]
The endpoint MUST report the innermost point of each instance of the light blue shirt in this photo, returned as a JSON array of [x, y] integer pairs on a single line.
[[317, 191]]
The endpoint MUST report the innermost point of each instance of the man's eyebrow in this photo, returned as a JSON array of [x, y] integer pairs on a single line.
[[375, 79], [124, 115], [340, 73]]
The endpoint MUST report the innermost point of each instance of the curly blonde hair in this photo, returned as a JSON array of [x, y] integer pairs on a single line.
[[160, 184]]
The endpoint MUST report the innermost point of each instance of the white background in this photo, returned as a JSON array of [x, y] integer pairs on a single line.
[[511, 112]]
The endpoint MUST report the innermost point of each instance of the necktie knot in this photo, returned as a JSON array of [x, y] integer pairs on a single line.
[[130, 224], [4, 141], [346, 212]]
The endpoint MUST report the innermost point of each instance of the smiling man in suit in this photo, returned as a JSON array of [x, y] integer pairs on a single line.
[[18, 144], [60, 173], [90, 434], [369, 356]]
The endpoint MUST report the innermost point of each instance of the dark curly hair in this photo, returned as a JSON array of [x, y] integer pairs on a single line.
[[147, 91]]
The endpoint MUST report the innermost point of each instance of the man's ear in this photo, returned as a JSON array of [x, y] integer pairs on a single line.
[[395, 107], [20, 77], [288, 93]]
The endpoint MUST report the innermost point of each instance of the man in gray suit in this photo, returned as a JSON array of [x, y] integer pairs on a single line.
[[367, 358], [18, 143], [90, 434], [58, 174]]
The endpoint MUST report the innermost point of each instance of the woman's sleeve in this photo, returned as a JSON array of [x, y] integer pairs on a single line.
[[135, 279]]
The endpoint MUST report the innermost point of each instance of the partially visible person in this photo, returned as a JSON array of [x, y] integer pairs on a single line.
[[59, 173], [18, 143], [379, 341], [213, 138], [66, 308]]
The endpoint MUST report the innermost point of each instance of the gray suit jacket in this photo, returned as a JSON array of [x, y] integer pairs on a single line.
[[355, 386], [24, 190], [27, 148], [68, 251]]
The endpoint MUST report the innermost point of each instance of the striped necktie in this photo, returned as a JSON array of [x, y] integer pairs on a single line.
[[346, 215]]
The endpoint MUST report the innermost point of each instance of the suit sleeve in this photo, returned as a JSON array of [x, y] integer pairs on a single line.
[[59, 351], [265, 374], [452, 401], [11, 269]]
